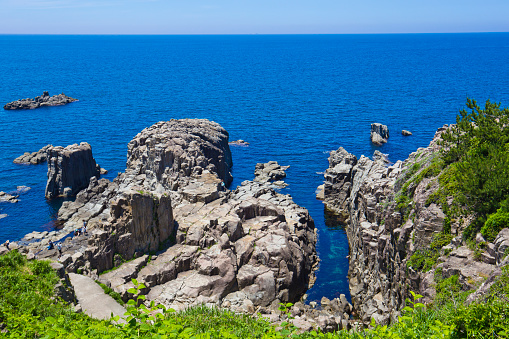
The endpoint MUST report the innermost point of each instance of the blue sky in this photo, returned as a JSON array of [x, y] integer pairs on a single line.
[[251, 17]]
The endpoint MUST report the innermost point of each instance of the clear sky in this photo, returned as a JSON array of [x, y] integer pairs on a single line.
[[251, 17]]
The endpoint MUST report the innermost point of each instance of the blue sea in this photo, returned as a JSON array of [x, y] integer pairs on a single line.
[[292, 97]]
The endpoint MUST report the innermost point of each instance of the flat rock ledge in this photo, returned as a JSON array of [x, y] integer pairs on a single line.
[[271, 172], [33, 158], [246, 249], [40, 101]]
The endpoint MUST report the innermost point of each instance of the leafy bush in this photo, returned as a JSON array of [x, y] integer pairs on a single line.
[[495, 223]]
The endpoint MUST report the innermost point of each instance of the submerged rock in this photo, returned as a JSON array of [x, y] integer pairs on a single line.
[[6, 197], [239, 142], [40, 101]]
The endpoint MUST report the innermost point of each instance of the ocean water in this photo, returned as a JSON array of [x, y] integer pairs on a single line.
[[292, 97]]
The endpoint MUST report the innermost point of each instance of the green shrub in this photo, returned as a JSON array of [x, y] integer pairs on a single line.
[[495, 223]]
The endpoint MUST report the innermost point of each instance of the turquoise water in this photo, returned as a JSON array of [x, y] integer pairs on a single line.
[[293, 97]]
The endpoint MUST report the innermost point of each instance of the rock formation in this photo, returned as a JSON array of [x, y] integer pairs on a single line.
[[244, 249], [271, 172], [40, 101], [70, 169], [33, 158], [239, 142], [6, 197], [379, 133], [389, 217], [406, 133]]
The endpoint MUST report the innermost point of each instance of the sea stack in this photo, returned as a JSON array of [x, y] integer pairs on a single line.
[[70, 169], [379, 133]]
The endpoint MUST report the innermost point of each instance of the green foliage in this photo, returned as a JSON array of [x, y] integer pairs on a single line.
[[28, 310], [476, 151], [495, 223], [425, 258], [27, 297]]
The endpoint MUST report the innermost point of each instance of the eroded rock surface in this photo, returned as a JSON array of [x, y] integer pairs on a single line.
[[244, 249], [384, 229], [70, 169], [33, 158], [40, 101], [6, 197], [271, 172]]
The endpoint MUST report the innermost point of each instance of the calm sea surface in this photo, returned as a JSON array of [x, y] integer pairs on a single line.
[[292, 97]]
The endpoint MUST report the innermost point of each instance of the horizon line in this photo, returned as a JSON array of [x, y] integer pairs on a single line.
[[244, 34]]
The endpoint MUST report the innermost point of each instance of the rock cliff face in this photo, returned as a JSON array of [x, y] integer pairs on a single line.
[[389, 217], [251, 247], [70, 169], [40, 101]]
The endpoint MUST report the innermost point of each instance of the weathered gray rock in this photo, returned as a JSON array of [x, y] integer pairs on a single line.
[[248, 248], [501, 245], [379, 133], [72, 167], [169, 153], [33, 158], [269, 172], [6, 197], [406, 133], [239, 142], [382, 234], [40, 101]]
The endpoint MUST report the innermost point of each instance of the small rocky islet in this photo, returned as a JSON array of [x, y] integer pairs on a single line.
[[43, 100]]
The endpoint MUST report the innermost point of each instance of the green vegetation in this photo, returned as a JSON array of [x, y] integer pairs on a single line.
[[28, 309], [425, 258], [109, 291], [476, 156]]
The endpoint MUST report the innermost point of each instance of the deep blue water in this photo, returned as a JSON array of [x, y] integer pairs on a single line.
[[293, 97]]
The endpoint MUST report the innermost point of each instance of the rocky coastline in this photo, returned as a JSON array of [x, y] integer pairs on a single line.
[[389, 216], [171, 222], [43, 100]]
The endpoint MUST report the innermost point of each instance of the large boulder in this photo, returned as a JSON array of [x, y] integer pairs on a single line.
[[70, 169], [170, 152], [379, 133]]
